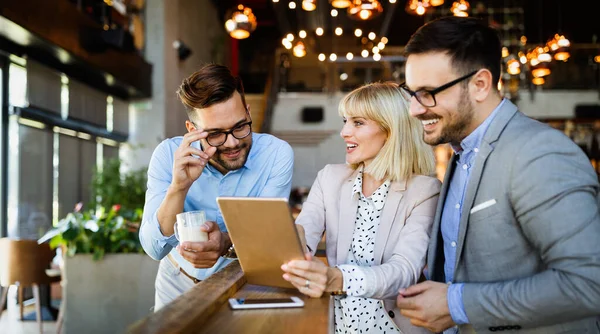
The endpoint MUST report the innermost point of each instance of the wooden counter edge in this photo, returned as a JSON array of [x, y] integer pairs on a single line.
[[196, 306]]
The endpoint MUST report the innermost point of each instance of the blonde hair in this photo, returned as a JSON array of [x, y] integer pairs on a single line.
[[404, 153]]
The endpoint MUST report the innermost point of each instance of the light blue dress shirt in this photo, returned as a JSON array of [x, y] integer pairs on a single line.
[[451, 214], [267, 173]]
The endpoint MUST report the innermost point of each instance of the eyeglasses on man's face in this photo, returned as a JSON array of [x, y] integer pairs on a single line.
[[426, 97], [218, 138]]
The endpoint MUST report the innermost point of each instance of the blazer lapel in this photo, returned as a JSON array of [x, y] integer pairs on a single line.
[[485, 149], [436, 251], [388, 216], [348, 208]]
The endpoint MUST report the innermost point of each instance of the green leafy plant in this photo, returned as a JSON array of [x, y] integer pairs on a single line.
[[112, 220], [97, 233], [111, 187]]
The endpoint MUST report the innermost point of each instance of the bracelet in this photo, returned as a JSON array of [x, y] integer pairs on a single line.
[[340, 293]]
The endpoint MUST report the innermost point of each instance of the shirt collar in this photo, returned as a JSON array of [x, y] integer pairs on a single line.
[[378, 197], [473, 140]]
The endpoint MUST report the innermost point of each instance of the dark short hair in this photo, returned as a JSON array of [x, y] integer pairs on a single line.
[[471, 44], [209, 85]]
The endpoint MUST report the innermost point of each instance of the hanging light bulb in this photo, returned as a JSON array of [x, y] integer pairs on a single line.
[[377, 57], [344, 76], [241, 23], [384, 40], [357, 32], [375, 50], [544, 57], [597, 59], [309, 5], [339, 31], [540, 71], [286, 43], [460, 8], [364, 9], [349, 56], [436, 3], [538, 81], [322, 57], [365, 53], [302, 34], [381, 46], [334, 13], [340, 3], [292, 5], [372, 35], [505, 52], [523, 59], [319, 31], [333, 57], [418, 7], [392, 1], [560, 45], [513, 67], [299, 50], [290, 37]]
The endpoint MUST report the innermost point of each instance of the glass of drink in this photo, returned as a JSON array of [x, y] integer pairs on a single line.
[[187, 227]]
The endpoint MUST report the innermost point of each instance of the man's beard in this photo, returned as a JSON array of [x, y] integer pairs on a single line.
[[455, 130], [233, 164]]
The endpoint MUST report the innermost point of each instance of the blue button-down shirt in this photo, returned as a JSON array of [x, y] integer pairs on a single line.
[[267, 173], [451, 214]]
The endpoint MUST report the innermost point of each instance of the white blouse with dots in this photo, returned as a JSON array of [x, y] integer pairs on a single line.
[[354, 313]]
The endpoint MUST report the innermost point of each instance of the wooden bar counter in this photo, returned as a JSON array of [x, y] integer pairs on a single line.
[[205, 309]]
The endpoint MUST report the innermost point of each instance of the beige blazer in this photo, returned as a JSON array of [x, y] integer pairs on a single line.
[[401, 240]]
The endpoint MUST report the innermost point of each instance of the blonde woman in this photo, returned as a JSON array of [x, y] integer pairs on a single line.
[[376, 211]]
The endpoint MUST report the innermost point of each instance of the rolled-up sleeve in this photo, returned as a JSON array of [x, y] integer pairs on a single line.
[[155, 244]]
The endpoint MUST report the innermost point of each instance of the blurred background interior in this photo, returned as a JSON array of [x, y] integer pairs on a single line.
[[87, 91]]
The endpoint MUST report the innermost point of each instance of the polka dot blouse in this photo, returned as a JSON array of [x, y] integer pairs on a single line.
[[356, 313]]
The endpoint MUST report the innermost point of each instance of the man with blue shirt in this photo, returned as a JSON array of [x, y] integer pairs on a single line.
[[218, 156], [514, 244]]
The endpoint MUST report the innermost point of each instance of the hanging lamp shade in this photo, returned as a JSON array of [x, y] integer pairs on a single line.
[[340, 3], [364, 9], [241, 23]]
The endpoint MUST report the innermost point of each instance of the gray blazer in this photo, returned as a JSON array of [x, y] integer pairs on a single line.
[[529, 238]]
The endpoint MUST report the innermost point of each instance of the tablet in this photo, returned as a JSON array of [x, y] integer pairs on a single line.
[[264, 236]]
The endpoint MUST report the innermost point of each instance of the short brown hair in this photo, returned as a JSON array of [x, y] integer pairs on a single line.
[[209, 85]]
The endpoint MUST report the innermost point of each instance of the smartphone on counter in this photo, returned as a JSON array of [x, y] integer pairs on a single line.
[[250, 303]]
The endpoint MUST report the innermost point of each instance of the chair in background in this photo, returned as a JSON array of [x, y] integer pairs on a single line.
[[24, 263]]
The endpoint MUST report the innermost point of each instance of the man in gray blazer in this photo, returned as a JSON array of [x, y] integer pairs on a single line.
[[516, 239]]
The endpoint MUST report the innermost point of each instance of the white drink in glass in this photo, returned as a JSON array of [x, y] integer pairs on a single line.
[[187, 227]]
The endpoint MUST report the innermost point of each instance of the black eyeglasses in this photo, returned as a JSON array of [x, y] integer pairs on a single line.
[[219, 138], [427, 97]]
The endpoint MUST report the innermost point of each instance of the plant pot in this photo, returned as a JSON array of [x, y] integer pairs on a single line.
[[107, 296]]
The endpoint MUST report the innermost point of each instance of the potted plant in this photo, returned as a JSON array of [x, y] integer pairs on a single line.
[[108, 282]]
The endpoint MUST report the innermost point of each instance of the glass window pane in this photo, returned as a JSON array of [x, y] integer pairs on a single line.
[[30, 184], [17, 85]]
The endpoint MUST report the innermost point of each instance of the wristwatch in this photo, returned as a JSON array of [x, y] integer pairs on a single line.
[[230, 254]]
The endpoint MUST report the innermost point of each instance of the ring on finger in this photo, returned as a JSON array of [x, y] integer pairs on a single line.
[[307, 284]]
